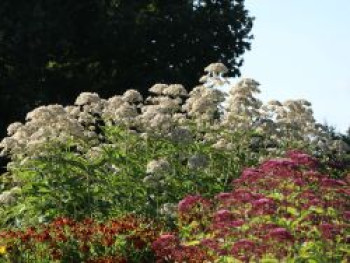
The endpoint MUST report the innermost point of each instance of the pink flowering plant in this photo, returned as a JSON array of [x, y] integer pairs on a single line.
[[283, 210]]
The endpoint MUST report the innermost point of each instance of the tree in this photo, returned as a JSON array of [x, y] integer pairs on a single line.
[[52, 50]]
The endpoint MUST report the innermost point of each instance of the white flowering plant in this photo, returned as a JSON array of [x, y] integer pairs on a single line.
[[126, 154]]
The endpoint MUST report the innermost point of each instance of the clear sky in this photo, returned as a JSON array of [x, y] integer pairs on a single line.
[[302, 50]]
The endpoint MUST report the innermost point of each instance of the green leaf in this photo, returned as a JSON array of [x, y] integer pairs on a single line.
[[269, 260], [293, 211], [192, 243]]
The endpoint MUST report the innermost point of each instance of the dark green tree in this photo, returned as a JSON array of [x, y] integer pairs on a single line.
[[51, 50]]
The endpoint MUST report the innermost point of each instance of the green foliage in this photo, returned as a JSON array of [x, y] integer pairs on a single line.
[[81, 181]]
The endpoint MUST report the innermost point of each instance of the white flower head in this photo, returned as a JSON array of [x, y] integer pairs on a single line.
[[216, 68], [13, 128], [94, 153], [274, 103], [168, 209], [175, 90], [74, 111], [158, 88], [204, 79], [132, 96], [9, 197], [222, 144], [87, 98], [160, 166]]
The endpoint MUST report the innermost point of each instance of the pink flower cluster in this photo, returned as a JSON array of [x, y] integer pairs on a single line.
[[273, 210]]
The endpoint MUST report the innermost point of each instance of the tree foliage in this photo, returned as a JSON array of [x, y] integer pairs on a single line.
[[52, 50]]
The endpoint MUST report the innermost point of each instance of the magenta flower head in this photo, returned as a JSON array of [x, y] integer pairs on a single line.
[[165, 241], [210, 243], [223, 196], [276, 164], [329, 231], [347, 215], [236, 223], [263, 201], [280, 234], [222, 215], [301, 158], [327, 182], [243, 244], [190, 201], [263, 206], [243, 249], [250, 175], [243, 195], [299, 182]]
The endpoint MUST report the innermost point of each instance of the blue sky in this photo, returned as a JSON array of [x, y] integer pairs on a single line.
[[302, 50]]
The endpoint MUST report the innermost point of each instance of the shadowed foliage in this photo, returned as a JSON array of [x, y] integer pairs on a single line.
[[52, 50]]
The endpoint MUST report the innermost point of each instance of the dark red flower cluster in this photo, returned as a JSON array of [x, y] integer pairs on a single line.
[[93, 241], [190, 202], [168, 249]]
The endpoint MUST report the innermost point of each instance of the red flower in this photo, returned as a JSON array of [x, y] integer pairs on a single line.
[[223, 196], [63, 221], [210, 243], [346, 215], [280, 234], [56, 254], [84, 248], [327, 182], [301, 158], [263, 206], [222, 215], [43, 236], [243, 249], [329, 231], [273, 164], [243, 195], [61, 237], [190, 201]]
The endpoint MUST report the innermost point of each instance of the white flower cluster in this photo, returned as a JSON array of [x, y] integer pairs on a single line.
[[44, 124], [158, 167], [163, 109], [169, 209], [88, 106], [156, 172], [168, 112], [203, 104], [9, 197], [242, 109], [292, 118], [214, 76], [123, 110]]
